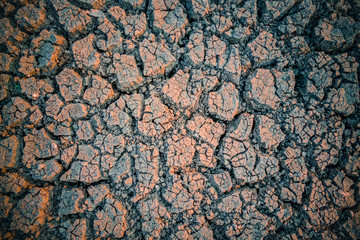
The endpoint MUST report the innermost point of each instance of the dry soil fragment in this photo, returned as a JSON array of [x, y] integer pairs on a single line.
[[73, 19], [156, 57], [86, 172], [299, 45], [49, 49], [46, 170], [348, 67], [198, 8], [325, 217], [205, 155], [208, 78], [30, 17], [32, 211], [135, 26], [70, 83], [236, 65], [15, 112], [155, 217], [135, 103], [270, 200], [337, 34], [293, 193], [321, 213], [134, 3], [195, 228], [75, 230], [117, 13], [250, 223], [28, 65], [170, 18], [238, 34], [247, 166], [181, 150], [6, 62], [110, 219], [222, 181], [97, 194], [84, 53], [205, 129], [99, 92], [38, 145], [147, 170], [121, 170], [230, 204], [342, 100], [109, 143], [68, 154], [156, 119], [71, 201], [35, 117], [34, 88], [352, 163], [60, 129], [260, 90], [8, 31], [85, 131], [224, 103], [4, 88], [115, 116], [263, 48], [284, 84], [127, 75], [195, 48], [195, 183], [274, 10], [53, 105], [87, 153], [86, 168], [257, 224], [351, 226], [9, 148], [179, 197], [318, 75], [247, 14], [341, 191], [318, 196], [221, 23], [295, 164], [301, 125], [268, 132], [215, 51], [114, 40], [98, 123], [298, 18], [73, 111], [13, 183], [97, 4], [182, 91], [242, 127], [107, 162], [328, 143], [5, 206]]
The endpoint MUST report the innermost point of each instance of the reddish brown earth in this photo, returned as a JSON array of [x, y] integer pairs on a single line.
[[174, 119]]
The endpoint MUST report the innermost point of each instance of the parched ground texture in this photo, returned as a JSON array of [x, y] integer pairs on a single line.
[[174, 119]]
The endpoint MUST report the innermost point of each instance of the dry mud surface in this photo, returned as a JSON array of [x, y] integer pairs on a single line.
[[174, 119]]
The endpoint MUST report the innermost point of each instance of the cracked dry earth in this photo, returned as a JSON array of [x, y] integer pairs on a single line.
[[174, 119]]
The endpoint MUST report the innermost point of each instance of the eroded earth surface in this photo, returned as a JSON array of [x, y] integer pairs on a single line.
[[169, 119]]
